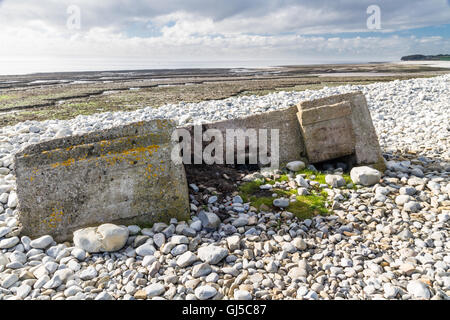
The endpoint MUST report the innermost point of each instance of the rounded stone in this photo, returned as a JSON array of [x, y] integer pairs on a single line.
[[295, 165], [281, 203], [418, 289], [335, 180], [105, 238], [205, 292], [242, 295], [212, 254], [42, 242], [154, 290], [365, 176]]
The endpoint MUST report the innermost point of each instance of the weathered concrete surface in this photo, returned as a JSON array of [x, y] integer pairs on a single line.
[[290, 148], [313, 131], [327, 131], [122, 175], [327, 122]]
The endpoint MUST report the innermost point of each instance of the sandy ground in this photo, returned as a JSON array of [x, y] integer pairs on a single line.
[[435, 64]]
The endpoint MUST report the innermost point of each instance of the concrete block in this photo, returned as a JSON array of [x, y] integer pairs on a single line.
[[290, 147], [327, 131], [328, 122], [122, 175]]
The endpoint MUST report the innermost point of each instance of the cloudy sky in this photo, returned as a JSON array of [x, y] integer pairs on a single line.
[[116, 34]]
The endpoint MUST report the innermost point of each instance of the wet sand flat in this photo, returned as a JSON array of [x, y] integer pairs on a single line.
[[67, 95]]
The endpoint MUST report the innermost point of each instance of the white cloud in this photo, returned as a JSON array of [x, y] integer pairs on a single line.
[[200, 30]]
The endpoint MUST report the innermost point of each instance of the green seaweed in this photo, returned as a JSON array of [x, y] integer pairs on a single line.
[[305, 207]]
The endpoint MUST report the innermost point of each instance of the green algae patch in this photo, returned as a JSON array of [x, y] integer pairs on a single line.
[[305, 207], [313, 175], [249, 188], [348, 181], [257, 202], [308, 206], [282, 178], [320, 177]]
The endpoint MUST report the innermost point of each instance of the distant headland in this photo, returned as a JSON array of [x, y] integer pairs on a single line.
[[420, 57]]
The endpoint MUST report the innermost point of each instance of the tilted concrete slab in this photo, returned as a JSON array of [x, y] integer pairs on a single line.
[[326, 124], [290, 147], [328, 131], [122, 175], [314, 131]]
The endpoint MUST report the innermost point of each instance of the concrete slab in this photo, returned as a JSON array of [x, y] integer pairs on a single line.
[[122, 175], [289, 145], [327, 131], [362, 134]]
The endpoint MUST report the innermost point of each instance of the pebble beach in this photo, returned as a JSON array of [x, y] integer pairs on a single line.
[[386, 239]]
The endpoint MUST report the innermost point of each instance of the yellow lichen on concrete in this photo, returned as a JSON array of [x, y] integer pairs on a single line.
[[33, 173], [104, 144], [65, 163], [131, 155], [52, 220], [153, 171], [81, 178], [148, 170], [161, 123]]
